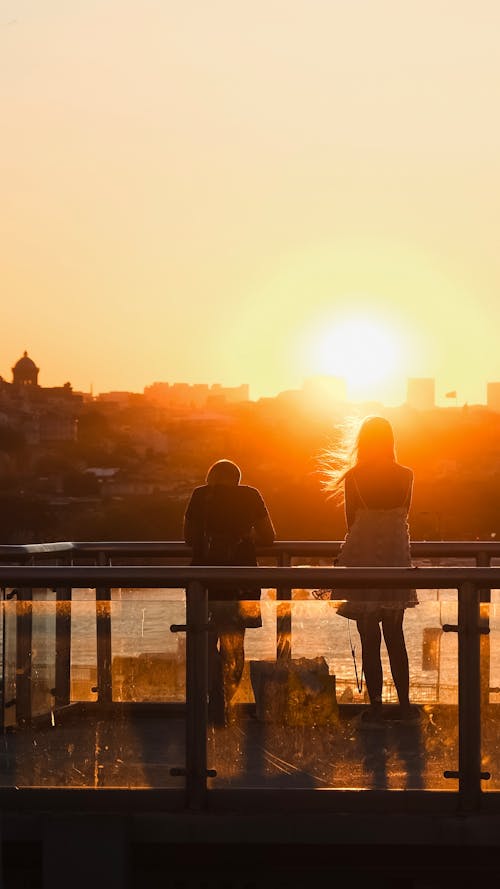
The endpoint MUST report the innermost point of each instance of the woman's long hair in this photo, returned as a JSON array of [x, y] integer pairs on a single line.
[[373, 443]]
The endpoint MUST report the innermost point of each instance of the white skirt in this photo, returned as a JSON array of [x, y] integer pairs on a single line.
[[378, 538]]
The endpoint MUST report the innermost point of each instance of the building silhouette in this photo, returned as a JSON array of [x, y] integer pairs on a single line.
[[25, 372], [493, 396], [325, 389], [421, 393], [43, 415], [197, 395]]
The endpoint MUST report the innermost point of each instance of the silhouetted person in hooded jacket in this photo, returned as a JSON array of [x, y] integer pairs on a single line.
[[224, 520]]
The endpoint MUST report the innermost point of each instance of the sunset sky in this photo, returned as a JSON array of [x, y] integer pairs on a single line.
[[231, 191]]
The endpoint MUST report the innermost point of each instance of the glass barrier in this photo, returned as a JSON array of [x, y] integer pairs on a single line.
[[133, 740], [297, 695], [296, 721]]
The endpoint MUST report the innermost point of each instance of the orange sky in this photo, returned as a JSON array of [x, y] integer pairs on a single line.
[[202, 191]]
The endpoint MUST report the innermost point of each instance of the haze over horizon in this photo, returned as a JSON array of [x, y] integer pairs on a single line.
[[212, 192], [321, 390]]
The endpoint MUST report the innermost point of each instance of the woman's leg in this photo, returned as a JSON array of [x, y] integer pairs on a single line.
[[369, 631], [392, 625]]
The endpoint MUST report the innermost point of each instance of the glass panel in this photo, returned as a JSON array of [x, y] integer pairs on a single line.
[[295, 723], [148, 659], [9, 657], [133, 740], [43, 676], [83, 646], [490, 698]]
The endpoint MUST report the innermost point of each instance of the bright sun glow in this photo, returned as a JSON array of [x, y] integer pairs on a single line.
[[361, 351]]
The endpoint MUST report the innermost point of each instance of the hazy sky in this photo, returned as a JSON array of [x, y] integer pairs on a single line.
[[210, 190]]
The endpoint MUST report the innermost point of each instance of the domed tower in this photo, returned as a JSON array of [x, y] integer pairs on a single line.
[[25, 372]]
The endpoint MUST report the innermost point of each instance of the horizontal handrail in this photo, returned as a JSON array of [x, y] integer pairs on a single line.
[[180, 576], [178, 549]]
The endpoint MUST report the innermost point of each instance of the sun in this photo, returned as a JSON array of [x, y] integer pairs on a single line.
[[361, 350]]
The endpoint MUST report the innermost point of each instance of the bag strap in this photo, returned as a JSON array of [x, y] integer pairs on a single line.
[[358, 492]]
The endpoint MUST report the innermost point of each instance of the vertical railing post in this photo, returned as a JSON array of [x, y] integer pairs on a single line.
[[4, 662], [483, 560], [284, 615], [24, 642], [469, 704], [196, 694], [103, 630]]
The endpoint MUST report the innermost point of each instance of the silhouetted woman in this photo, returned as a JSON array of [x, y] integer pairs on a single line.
[[377, 496]]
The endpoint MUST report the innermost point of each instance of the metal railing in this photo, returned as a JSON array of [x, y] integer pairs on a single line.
[[107, 553], [282, 551], [472, 583]]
